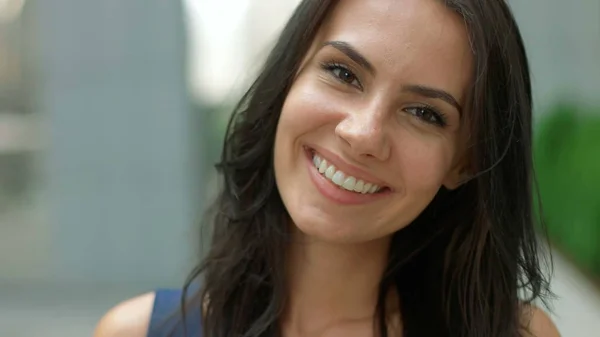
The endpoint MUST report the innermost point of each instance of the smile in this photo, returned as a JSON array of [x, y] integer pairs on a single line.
[[341, 179], [338, 186]]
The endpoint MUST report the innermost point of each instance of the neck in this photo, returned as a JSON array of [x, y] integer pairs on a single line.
[[332, 283]]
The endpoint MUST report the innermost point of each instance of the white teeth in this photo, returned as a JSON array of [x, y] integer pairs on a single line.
[[317, 161], [323, 166], [374, 189], [349, 183], [341, 179], [330, 172], [366, 188], [359, 186], [338, 178]]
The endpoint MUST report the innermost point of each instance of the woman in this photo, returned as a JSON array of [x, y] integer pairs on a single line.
[[378, 182]]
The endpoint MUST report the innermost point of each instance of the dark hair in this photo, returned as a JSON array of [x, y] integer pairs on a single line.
[[471, 254]]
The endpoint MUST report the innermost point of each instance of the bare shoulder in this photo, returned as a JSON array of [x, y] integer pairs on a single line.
[[129, 318], [538, 323]]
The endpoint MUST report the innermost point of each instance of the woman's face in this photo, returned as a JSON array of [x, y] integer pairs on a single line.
[[373, 126]]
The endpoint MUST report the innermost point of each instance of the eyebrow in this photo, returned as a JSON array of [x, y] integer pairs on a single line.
[[352, 53], [420, 90], [433, 93]]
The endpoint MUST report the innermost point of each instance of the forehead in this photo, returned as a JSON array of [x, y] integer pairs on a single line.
[[418, 39]]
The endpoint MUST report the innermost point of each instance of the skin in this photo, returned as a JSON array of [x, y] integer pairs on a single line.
[[368, 119], [130, 318]]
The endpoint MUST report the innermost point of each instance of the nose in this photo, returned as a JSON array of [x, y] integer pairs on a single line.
[[364, 135]]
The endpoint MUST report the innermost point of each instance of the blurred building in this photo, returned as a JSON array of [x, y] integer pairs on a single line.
[[20, 144], [117, 189]]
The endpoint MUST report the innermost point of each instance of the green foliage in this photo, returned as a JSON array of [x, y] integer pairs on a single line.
[[567, 159]]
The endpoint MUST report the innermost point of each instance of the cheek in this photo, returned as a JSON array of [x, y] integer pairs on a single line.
[[425, 161], [307, 106], [306, 110]]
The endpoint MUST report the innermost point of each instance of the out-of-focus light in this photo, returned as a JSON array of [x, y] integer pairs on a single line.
[[10, 10], [217, 15], [214, 35]]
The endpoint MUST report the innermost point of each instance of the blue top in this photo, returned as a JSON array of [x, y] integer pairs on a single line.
[[166, 321]]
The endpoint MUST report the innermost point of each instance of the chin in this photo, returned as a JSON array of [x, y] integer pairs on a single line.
[[317, 224]]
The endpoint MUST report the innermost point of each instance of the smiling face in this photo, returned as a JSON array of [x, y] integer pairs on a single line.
[[373, 126]]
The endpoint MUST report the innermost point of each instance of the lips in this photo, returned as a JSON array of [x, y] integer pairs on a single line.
[[341, 191]]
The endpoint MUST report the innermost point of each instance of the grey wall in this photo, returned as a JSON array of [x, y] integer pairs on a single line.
[[563, 43], [120, 161]]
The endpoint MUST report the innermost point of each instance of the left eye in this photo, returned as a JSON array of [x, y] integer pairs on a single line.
[[427, 115], [343, 74]]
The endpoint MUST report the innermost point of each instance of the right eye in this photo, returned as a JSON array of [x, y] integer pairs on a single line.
[[342, 73]]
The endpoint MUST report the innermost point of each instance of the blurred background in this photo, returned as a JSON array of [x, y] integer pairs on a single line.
[[112, 113]]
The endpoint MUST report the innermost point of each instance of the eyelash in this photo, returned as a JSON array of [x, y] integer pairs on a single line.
[[332, 66], [440, 119]]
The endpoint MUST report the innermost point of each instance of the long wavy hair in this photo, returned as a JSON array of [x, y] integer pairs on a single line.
[[469, 262]]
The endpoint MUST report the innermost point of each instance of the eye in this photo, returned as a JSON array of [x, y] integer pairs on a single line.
[[428, 115], [342, 73]]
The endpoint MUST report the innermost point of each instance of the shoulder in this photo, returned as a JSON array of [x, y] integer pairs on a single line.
[[538, 323], [130, 318]]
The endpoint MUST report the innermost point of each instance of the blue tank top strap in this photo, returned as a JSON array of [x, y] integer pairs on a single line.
[[166, 319]]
